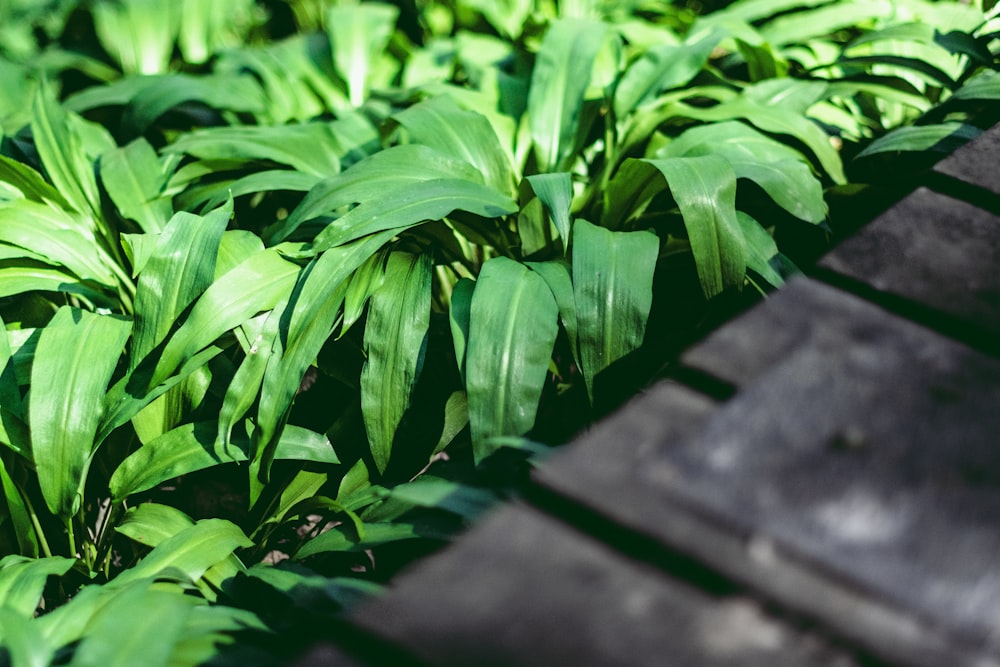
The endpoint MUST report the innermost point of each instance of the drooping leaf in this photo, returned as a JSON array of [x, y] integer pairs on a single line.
[[761, 250], [439, 123], [939, 138], [458, 317], [558, 83], [512, 329], [22, 581], [29, 182], [555, 191], [398, 319], [705, 191], [781, 171], [74, 360], [20, 515], [613, 293]]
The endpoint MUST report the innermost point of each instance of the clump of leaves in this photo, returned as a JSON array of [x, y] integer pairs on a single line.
[[307, 281]]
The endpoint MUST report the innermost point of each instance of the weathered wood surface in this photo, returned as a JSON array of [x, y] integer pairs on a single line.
[[934, 251], [526, 589], [847, 496], [976, 162]]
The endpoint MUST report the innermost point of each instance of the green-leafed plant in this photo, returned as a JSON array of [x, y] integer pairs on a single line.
[[344, 264]]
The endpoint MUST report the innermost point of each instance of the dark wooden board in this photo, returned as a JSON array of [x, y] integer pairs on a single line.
[[524, 589], [976, 162], [933, 250], [854, 477]]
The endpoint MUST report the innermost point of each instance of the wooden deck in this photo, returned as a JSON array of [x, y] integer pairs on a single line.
[[830, 495]]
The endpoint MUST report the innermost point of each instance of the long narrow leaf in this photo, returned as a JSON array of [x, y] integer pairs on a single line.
[[613, 292], [398, 319], [76, 355], [512, 330], [561, 76]]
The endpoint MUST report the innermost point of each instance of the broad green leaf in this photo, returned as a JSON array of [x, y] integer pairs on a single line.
[[181, 450], [705, 191], [660, 68], [135, 178], [190, 552], [509, 17], [62, 150], [226, 304], [558, 83], [799, 27], [555, 191], [313, 148], [613, 292], [23, 641], [412, 204], [208, 195], [358, 36], [441, 124], [512, 329], [781, 171], [371, 179], [398, 319], [180, 268], [31, 277], [22, 581], [10, 394], [152, 523], [940, 138], [209, 27], [310, 317], [311, 592], [139, 625], [985, 86], [74, 360]]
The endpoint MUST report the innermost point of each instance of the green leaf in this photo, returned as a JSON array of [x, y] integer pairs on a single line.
[[705, 191], [181, 450], [466, 501], [410, 205], [189, 553], [761, 249], [139, 625], [23, 641], [180, 268], [558, 83], [29, 182], [660, 68], [556, 275], [371, 179], [63, 152], [779, 170], [366, 279], [135, 178], [555, 191], [140, 34], [226, 304], [512, 330], [20, 515], [10, 393], [940, 138], [398, 319], [152, 523], [358, 36], [74, 360], [312, 148], [22, 581], [441, 124], [343, 538], [458, 318], [613, 292]]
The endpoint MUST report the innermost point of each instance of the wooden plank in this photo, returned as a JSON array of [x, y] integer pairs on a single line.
[[524, 589], [976, 162], [855, 477], [933, 250]]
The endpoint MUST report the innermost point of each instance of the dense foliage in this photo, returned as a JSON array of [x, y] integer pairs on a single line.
[[306, 282]]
